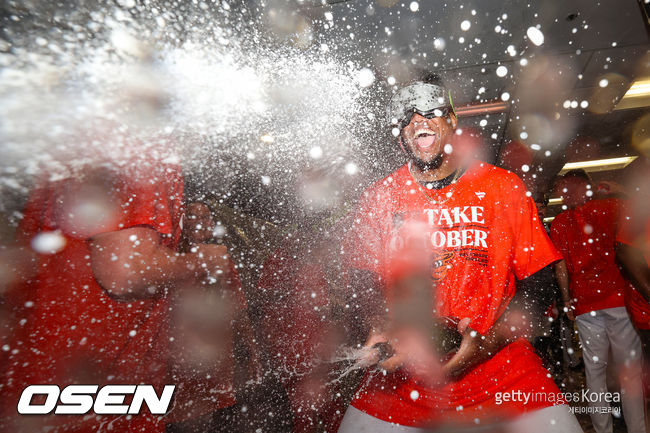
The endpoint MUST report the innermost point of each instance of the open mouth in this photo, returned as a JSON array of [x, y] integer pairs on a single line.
[[424, 139]]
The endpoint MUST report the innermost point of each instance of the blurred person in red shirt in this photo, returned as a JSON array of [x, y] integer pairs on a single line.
[[593, 293], [296, 308], [96, 310], [209, 322], [633, 254], [445, 237]]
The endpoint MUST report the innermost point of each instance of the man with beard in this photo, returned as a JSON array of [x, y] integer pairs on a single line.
[[473, 230]]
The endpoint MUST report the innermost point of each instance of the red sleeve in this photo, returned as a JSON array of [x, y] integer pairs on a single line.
[[153, 200], [363, 246], [532, 248], [624, 230], [35, 214]]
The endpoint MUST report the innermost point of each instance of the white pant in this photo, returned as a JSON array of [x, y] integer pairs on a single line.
[[598, 331], [554, 419]]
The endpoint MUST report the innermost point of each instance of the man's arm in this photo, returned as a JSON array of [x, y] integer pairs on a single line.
[[634, 266], [520, 320], [132, 263], [562, 277], [534, 296]]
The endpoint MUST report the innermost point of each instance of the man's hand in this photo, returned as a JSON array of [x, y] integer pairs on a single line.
[[476, 348], [213, 260], [372, 355], [413, 352]]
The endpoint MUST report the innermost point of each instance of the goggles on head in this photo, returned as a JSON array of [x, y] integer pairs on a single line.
[[428, 100]]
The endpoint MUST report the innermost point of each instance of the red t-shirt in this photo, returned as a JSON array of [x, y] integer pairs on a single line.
[[68, 329], [586, 237], [637, 306], [478, 237]]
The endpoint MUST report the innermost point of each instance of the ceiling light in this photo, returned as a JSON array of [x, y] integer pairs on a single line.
[[638, 95], [267, 138], [479, 109], [599, 164]]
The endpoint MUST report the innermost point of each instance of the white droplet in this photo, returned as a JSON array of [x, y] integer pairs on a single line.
[[525, 168], [316, 152], [266, 180], [502, 71], [535, 35], [523, 62], [574, 104], [465, 25], [329, 16], [48, 242], [603, 83], [266, 138], [414, 6], [365, 77], [128, 4], [132, 333], [566, 104], [505, 96], [414, 395], [535, 146], [391, 80], [584, 104], [448, 149], [351, 168], [439, 44], [523, 135], [483, 122], [395, 132]]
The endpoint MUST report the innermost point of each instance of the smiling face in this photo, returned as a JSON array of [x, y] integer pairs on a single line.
[[424, 139]]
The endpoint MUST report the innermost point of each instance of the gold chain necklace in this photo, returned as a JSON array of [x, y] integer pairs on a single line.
[[422, 190]]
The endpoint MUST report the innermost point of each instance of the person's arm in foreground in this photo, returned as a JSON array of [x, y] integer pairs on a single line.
[[520, 320], [133, 263], [635, 267], [415, 351]]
